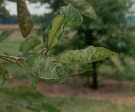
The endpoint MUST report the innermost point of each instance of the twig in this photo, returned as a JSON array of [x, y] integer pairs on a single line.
[[46, 52], [19, 63], [42, 51], [9, 60], [15, 60], [12, 59]]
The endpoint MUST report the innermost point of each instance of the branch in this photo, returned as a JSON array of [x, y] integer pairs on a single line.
[[44, 50], [12, 59], [9, 60]]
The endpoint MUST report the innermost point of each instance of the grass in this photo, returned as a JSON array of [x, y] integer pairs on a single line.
[[69, 104], [25, 99]]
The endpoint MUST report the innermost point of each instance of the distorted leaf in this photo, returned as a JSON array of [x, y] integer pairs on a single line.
[[46, 68], [25, 19], [88, 55], [84, 7], [68, 19], [55, 31], [74, 19]]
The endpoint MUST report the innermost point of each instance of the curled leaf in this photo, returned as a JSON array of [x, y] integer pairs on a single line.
[[45, 68], [84, 7], [56, 30], [68, 19], [88, 55]]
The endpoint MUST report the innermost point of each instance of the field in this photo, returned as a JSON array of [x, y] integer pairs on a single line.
[[113, 95], [69, 98]]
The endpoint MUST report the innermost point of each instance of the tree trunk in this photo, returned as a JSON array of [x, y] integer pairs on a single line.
[[94, 76]]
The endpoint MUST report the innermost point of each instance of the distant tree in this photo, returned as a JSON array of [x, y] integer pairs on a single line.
[[112, 30], [6, 20]]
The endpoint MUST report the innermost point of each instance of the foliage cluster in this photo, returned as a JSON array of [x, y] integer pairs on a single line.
[[42, 63]]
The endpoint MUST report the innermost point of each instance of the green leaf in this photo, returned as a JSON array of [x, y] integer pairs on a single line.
[[84, 7], [46, 68], [55, 31], [88, 55], [29, 44], [18, 98], [5, 34], [25, 19], [74, 19], [73, 61], [68, 19]]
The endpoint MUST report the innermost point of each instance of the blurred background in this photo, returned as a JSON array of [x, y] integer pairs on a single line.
[[107, 86]]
